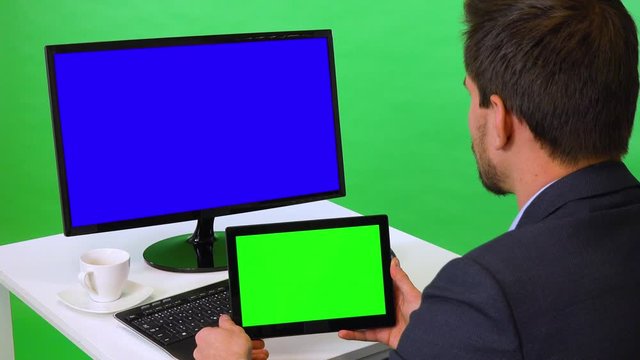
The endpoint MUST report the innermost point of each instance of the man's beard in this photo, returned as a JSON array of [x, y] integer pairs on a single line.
[[487, 170]]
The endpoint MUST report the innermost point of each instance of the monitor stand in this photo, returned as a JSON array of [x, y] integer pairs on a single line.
[[202, 251]]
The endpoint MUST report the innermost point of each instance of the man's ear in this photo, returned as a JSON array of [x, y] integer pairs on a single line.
[[502, 123]]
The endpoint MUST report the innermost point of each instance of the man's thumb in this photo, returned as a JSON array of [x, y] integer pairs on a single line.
[[400, 278], [225, 321]]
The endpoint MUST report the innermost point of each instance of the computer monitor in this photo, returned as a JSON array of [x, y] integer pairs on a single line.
[[156, 131]]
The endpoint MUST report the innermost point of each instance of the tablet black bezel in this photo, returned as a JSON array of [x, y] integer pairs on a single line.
[[316, 326]]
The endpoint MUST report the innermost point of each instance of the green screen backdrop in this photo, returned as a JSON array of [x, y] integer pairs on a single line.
[[402, 106]]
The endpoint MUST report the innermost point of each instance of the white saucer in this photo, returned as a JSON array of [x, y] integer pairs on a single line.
[[78, 298]]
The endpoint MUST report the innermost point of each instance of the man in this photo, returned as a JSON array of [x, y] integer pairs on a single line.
[[554, 87]]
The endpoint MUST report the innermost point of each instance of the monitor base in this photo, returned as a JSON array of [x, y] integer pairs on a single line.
[[180, 254]]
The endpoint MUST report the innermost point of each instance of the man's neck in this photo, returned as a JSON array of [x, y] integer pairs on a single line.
[[534, 177]]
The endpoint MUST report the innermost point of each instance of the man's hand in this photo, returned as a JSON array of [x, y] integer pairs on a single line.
[[228, 341], [407, 298]]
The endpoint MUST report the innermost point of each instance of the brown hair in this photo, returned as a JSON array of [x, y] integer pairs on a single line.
[[568, 68]]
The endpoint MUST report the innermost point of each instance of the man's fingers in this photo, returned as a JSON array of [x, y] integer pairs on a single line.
[[348, 335], [257, 344], [260, 354], [356, 335], [203, 334]]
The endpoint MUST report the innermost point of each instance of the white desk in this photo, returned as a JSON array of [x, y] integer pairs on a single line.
[[36, 270]]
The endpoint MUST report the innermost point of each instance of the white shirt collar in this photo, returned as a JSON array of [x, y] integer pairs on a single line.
[[517, 219]]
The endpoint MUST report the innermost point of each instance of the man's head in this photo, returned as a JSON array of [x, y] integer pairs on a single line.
[[567, 69]]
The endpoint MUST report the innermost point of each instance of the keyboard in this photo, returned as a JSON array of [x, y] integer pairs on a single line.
[[172, 322]]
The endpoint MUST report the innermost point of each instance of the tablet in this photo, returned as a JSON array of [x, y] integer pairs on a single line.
[[311, 277]]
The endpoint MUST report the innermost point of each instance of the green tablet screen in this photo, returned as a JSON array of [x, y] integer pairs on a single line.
[[308, 275]]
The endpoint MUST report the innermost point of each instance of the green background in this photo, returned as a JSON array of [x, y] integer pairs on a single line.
[[403, 113], [310, 280]]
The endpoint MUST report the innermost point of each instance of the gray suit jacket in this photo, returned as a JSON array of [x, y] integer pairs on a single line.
[[565, 284]]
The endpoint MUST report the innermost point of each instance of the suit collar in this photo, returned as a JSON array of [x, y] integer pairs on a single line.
[[594, 180]]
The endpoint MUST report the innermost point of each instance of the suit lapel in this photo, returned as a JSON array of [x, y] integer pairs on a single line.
[[598, 179]]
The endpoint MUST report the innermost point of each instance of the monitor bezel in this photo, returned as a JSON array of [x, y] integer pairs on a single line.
[[320, 325], [52, 50]]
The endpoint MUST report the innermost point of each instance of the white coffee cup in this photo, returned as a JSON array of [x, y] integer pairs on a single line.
[[103, 273]]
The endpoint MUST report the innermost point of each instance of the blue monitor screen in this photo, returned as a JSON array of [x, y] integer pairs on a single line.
[[155, 131]]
